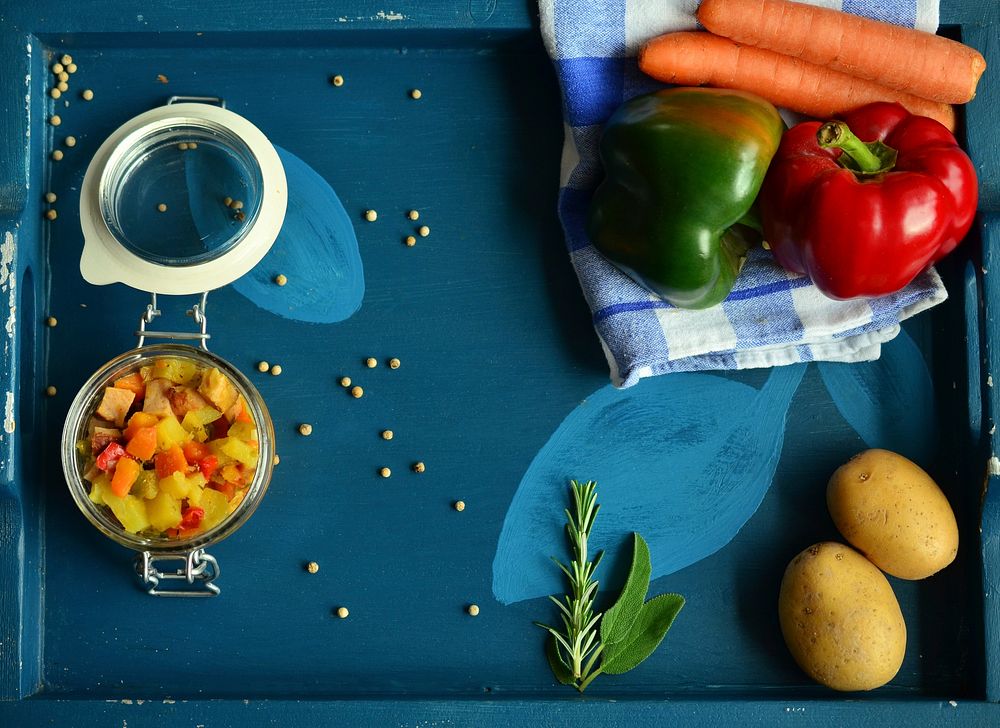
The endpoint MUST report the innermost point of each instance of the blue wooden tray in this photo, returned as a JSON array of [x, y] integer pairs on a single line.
[[497, 347]]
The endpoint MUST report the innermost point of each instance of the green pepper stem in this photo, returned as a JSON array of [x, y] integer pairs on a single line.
[[837, 135]]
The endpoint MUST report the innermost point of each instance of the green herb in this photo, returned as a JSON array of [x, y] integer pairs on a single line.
[[629, 632]]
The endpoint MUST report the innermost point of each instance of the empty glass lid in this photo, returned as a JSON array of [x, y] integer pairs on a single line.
[[182, 199]]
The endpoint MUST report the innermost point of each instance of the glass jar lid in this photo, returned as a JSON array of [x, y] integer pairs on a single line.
[[181, 199]]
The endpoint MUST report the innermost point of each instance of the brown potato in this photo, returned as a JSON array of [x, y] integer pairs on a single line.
[[894, 513], [840, 618]]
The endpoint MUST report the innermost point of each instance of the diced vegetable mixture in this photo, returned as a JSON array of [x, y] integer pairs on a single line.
[[171, 449]]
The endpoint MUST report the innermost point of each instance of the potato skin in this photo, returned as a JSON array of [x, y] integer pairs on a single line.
[[840, 618], [888, 508]]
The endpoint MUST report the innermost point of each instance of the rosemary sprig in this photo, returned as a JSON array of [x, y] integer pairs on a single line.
[[577, 647]]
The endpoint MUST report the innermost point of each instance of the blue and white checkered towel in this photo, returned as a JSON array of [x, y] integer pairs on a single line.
[[772, 317]]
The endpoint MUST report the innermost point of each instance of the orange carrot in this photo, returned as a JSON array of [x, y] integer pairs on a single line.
[[904, 59], [695, 58]]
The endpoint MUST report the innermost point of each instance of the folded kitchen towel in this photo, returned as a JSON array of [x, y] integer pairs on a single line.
[[772, 317]]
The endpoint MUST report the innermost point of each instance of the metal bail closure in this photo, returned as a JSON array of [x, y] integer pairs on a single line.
[[181, 199], [198, 572]]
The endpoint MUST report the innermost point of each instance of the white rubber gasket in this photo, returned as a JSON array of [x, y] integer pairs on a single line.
[[105, 260]]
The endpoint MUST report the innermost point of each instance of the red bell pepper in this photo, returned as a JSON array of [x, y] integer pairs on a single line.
[[864, 215], [110, 456], [191, 517], [208, 466]]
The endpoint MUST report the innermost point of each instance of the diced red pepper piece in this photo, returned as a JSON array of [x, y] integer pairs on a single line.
[[220, 429], [225, 487], [126, 472], [171, 461], [191, 518], [110, 456], [143, 443], [208, 465], [195, 451]]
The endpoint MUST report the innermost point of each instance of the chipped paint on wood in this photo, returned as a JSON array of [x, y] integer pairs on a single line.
[[8, 414]]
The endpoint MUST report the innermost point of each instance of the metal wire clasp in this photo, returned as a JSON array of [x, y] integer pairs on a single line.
[[197, 312], [199, 570]]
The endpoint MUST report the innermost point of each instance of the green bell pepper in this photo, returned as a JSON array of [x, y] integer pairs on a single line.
[[676, 210]]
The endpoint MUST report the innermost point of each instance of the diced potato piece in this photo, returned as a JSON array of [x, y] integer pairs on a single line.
[[178, 371], [243, 431], [170, 433], [216, 508], [186, 399], [157, 402], [217, 388], [115, 404], [164, 511], [175, 486], [98, 486], [239, 451], [129, 510]]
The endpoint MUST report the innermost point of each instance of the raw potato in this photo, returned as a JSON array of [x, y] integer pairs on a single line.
[[894, 513], [840, 619]]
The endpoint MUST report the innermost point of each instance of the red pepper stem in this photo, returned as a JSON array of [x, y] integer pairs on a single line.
[[837, 135]]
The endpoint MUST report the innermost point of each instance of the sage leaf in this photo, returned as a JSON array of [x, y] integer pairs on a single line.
[[648, 630], [618, 621], [559, 667]]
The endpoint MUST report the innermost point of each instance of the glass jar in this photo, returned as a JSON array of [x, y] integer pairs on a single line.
[[152, 549]]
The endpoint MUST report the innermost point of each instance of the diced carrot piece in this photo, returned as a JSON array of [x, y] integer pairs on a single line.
[[137, 420], [170, 461], [195, 451], [126, 472], [133, 383], [143, 443]]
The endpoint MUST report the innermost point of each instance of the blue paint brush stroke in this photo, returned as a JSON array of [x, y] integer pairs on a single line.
[[684, 459], [316, 249], [890, 401]]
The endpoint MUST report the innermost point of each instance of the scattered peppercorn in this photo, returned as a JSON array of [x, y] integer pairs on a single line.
[[50, 391], [413, 215], [473, 610], [345, 381], [263, 366], [183, 146], [87, 95], [371, 363], [385, 472], [281, 279], [240, 217], [192, 145], [55, 120], [276, 370], [71, 68], [161, 78], [57, 68], [227, 201], [459, 506], [51, 322], [51, 214], [66, 59], [357, 392], [410, 241], [62, 86], [371, 215], [237, 205], [312, 567], [50, 197], [70, 141], [419, 467], [55, 93], [424, 231], [337, 80], [386, 434], [394, 363], [57, 154], [161, 207], [415, 93], [342, 612], [62, 76], [276, 460], [305, 429]]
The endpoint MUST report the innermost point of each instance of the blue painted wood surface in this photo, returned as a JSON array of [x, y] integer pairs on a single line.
[[496, 348]]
